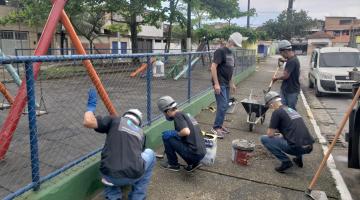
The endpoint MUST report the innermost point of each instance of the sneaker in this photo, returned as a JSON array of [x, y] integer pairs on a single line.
[[218, 132], [284, 166], [225, 130], [298, 161], [193, 167], [167, 166]]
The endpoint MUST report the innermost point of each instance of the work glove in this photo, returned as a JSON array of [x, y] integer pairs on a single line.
[[169, 134], [92, 100]]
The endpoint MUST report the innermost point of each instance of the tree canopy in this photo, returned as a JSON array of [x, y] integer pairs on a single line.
[[286, 28]]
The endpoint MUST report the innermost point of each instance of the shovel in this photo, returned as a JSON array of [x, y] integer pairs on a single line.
[[272, 82], [316, 194]]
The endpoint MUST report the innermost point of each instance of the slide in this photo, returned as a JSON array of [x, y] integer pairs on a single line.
[[11, 71], [139, 70], [186, 67], [201, 47]]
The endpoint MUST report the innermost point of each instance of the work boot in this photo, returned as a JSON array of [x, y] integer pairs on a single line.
[[284, 166], [218, 132], [298, 161], [191, 168], [166, 165]]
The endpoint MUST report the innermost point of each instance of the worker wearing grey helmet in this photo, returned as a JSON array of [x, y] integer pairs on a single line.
[[185, 140], [290, 87], [296, 139], [123, 158]]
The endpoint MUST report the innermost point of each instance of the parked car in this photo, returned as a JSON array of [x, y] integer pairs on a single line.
[[329, 70]]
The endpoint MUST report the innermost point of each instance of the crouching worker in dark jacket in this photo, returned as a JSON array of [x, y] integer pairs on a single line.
[[295, 140], [185, 140], [123, 161]]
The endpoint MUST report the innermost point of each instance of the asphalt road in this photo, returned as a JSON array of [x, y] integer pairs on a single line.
[[335, 106]]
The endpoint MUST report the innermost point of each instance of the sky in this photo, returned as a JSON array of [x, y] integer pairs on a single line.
[[270, 9]]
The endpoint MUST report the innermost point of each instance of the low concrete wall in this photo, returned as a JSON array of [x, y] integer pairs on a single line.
[[82, 181]]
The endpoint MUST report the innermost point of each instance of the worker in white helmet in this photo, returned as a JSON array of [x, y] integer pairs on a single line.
[[222, 69], [123, 158]]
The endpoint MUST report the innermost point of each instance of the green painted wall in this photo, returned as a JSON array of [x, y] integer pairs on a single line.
[[82, 181]]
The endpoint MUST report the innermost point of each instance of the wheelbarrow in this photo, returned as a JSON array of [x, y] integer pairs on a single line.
[[256, 111]]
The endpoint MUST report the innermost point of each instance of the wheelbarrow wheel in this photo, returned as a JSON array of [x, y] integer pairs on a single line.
[[252, 120]]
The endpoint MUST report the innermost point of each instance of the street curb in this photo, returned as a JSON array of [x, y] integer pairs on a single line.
[[339, 181]]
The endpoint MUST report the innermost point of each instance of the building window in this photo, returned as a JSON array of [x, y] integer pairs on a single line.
[[7, 35], [337, 33], [21, 35], [345, 21]]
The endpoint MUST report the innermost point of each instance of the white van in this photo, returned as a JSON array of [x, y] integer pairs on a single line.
[[329, 70]]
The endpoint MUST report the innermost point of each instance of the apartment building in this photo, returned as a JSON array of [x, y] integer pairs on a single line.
[[343, 29]]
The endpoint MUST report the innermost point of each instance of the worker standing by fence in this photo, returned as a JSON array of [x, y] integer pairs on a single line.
[[222, 70]]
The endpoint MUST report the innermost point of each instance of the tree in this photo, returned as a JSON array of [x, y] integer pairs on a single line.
[[87, 16], [286, 28], [31, 12], [224, 9], [90, 21], [172, 14], [211, 33], [135, 13]]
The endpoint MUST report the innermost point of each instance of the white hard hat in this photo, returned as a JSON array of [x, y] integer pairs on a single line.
[[135, 115], [237, 38], [284, 45]]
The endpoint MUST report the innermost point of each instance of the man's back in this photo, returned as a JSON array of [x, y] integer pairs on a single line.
[[121, 156], [292, 126]]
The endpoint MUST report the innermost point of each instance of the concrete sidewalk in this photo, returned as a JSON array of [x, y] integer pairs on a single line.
[[226, 180]]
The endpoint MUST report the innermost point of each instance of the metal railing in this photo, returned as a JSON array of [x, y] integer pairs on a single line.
[[57, 140]]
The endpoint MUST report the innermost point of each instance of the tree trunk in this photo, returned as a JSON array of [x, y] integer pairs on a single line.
[[168, 39], [173, 6], [91, 43], [133, 30]]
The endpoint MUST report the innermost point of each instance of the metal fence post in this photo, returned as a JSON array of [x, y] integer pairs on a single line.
[[149, 74], [235, 62], [30, 88], [189, 78]]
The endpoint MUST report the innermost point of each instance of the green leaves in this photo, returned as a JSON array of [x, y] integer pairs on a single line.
[[288, 25], [224, 33]]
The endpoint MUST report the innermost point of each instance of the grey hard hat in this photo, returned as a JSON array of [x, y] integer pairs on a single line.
[[135, 115], [271, 97], [165, 103], [284, 45], [237, 38]]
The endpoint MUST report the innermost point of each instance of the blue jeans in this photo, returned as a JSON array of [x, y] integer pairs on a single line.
[[174, 145], [222, 104], [139, 186], [289, 99], [278, 146]]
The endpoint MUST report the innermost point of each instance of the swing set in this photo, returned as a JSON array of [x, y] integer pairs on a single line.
[[57, 14]]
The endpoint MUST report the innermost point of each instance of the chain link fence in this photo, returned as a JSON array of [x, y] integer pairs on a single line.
[[50, 137]]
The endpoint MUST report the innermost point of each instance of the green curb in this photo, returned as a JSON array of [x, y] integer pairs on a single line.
[[82, 181]]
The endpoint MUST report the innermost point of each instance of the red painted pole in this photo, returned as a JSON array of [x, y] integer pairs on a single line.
[[9, 125], [88, 65]]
